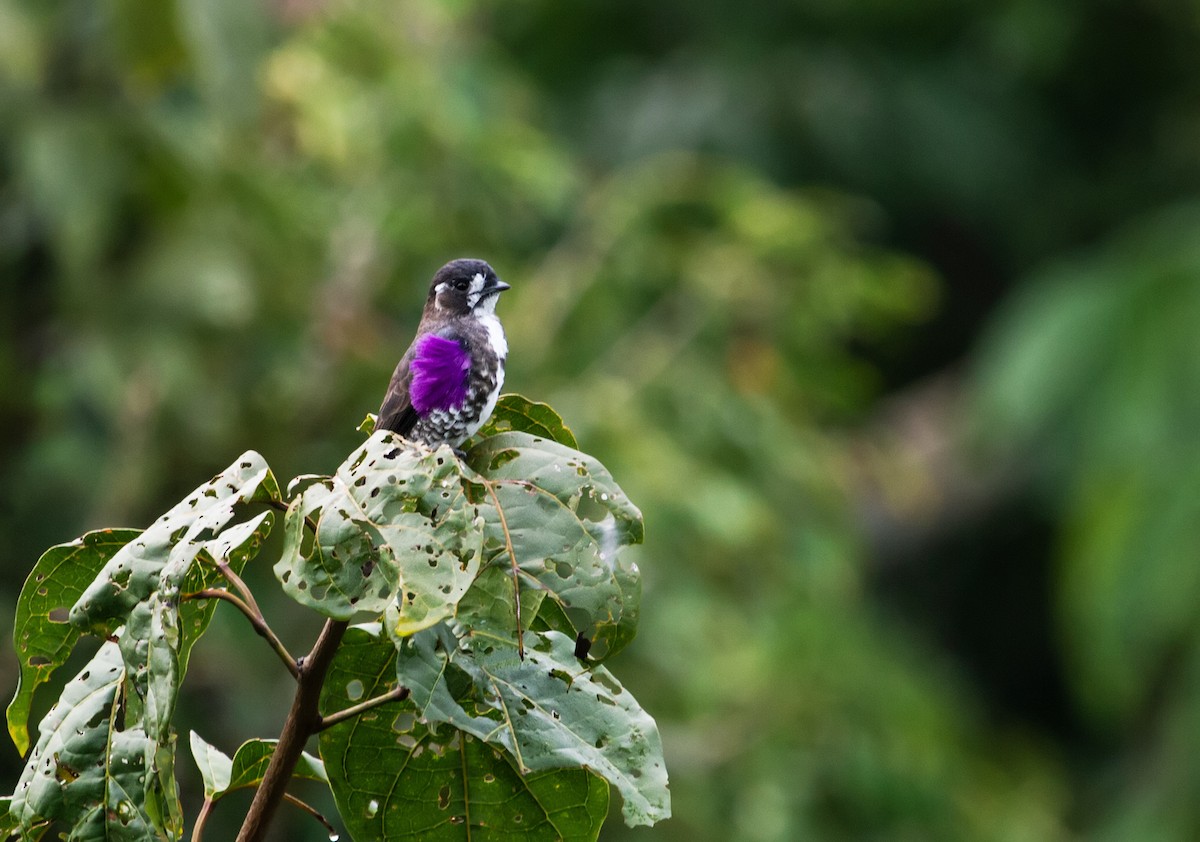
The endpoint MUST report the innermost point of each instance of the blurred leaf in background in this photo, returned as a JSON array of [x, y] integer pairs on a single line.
[[739, 238]]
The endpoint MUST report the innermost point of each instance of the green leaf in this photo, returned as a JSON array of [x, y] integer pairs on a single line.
[[9, 826], [43, 637], [547, 711], [132, 575], [251, 759], [215, 766], [395, 530], [517, 413], [139, 588], [568, 520], [249, 764], [394, 778], [84, 771]]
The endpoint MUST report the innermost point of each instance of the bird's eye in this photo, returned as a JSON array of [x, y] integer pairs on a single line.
[[460, 285]]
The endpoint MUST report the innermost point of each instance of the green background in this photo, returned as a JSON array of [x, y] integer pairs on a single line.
[[884, 313]]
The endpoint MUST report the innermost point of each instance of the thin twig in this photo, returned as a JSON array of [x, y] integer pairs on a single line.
[[396, 694], [242, 588], [516, 571], [256, 620], [291, 799]]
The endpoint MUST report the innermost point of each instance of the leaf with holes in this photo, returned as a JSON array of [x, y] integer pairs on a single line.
[[132, 574], [394, 778], [547, 711], [395, 528], [85, 772], [43, 637], [222, 775], [517, 413], [568, 520]]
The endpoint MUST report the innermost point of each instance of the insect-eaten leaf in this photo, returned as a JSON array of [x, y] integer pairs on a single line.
[[43, 637], [397, 778], [179, 536], [395, 530], [568, 521], [546, 711], [87, 772]]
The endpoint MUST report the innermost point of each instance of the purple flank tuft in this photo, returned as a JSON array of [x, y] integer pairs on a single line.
[[439, 374]]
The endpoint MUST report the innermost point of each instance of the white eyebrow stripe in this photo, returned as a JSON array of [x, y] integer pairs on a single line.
[[477, 283], [440, 287]]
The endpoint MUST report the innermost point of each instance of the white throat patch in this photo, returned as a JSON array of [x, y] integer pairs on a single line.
[[474, 291]]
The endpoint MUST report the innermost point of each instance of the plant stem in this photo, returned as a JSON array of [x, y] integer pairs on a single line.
[[205, 812], [291, 799], [394, 695], [256, 619], [303, 721]]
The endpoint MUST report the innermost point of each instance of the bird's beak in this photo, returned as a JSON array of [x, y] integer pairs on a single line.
[[498, 286]]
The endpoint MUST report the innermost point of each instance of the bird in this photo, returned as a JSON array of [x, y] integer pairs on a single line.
[[445, 386]]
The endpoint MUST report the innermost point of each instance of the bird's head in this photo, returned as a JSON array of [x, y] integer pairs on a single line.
[[465, 288]]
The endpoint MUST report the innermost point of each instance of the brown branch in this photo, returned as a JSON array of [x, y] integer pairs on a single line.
[[256, 620], [396, 694], [303, 721], [516, 571]]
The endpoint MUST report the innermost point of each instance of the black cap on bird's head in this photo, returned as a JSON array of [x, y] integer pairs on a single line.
[[464, 287]]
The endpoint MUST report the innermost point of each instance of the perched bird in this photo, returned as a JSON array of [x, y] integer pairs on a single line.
[[446, 384]]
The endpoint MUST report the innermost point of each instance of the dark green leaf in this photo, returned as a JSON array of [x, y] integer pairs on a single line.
[[394, 778], [43, 637], [547, 711], [517, 413], [395, 530], [251, 759]]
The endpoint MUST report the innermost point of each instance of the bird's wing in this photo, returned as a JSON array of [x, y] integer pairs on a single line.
[[432, 376]]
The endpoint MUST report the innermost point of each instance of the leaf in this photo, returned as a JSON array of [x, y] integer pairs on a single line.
[[251, 759], [9, 826], [131, 576], [395, 779], [83, 771], [41, 633], [394, 530], [518, 413], [215, 766], [249, 764], [568, 520], [546, 711], [139, 589]]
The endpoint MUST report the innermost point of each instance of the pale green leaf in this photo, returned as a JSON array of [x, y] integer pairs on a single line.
[[547, 711], [85, 772], [215, 766], [394, 529], [568, 520], [132, 574]]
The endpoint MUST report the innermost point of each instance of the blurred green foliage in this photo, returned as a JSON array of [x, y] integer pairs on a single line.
[[733, 232]]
